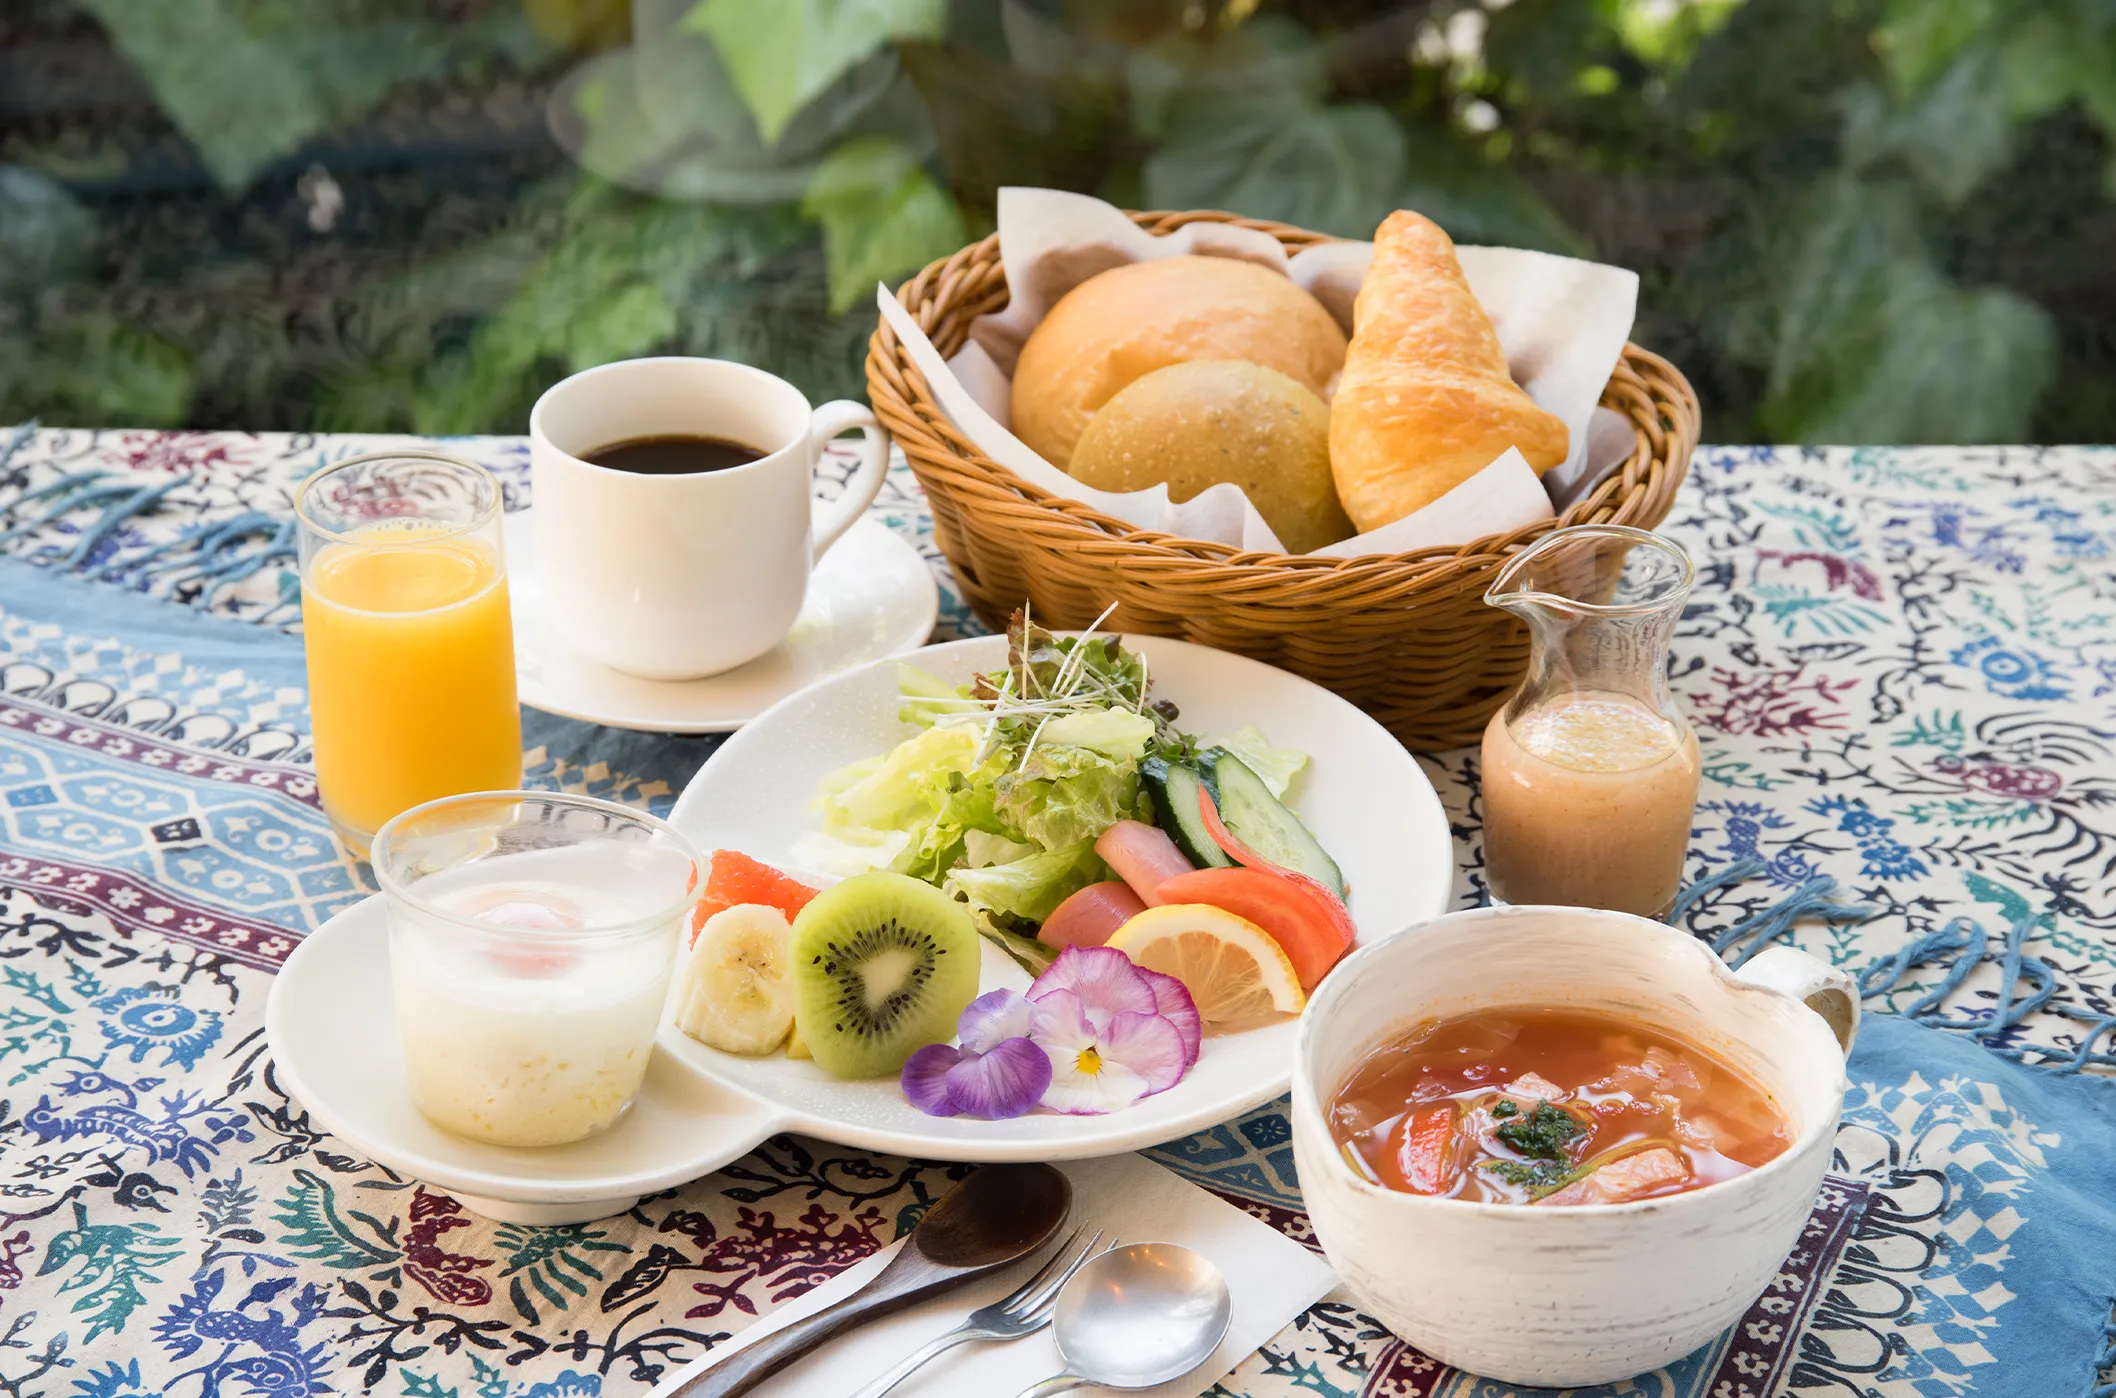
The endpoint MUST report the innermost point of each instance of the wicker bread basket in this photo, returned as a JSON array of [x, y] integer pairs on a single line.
[[1407, 637]]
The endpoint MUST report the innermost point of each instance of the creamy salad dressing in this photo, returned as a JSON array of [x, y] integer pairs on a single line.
[[1587, 802]]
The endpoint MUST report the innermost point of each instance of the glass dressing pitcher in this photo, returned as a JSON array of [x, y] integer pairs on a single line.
[[1590, 770]]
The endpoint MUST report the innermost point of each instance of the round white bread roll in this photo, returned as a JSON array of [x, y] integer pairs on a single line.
[[1123, 324]]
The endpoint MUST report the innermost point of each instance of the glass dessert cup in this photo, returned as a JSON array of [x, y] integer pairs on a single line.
[[531, 939]]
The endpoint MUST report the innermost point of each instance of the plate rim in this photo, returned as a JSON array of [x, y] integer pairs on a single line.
[[929, 609]]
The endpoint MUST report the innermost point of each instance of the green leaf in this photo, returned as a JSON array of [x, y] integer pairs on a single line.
[[1478, 202], [664, 118], [1954, 135], [782, 54], [98, 372], [1031, 887], [1334, 169], [1244, 126], [46, 236], [1869, 343], [882, 215], [1269, 60], [1862, 338], [1667, 35], [1950, 365], [1923, 37], [631, 322], [578, 300], [250, 80]]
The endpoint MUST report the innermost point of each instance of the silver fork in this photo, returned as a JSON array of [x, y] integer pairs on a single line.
[[1024, 1312]]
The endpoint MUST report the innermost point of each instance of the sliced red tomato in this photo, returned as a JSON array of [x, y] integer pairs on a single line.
[[1425, 1149], [1296, 920], [736, 878], [1325, 899]]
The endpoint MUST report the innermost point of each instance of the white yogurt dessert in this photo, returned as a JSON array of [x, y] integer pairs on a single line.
[[529, 986]]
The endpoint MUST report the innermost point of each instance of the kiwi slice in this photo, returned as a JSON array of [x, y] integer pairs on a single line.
[[882, 966]]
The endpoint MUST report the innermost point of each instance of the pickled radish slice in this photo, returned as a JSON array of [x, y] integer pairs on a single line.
[[1089, 917], [1143, 857]]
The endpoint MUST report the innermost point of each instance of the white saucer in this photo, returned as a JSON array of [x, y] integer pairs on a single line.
[[871, 597]]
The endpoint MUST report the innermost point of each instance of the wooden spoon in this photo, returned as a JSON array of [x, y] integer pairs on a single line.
[[999, 1215]]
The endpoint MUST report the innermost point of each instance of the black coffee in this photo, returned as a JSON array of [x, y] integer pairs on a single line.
[[672, 456]]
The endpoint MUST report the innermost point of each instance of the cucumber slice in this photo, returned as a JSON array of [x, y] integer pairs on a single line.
[[1256, 818], [1173, 788]]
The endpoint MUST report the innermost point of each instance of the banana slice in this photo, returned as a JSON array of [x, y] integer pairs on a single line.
[[738, 992]]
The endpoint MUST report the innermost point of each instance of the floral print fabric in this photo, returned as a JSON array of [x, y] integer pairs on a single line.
[[1901, 666]]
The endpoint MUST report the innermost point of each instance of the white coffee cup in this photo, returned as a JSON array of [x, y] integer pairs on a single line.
[[676, 577], [1572, 1297]]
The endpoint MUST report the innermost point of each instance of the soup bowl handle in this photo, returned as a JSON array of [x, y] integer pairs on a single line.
[[1829, 992]]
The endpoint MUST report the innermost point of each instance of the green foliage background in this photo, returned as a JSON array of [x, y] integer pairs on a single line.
[[1856, 220]]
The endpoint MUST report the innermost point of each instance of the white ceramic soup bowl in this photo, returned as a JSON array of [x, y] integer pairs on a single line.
[[1566, 1297]]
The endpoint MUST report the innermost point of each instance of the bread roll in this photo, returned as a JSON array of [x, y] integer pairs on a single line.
[[1196, 425], [1124, 323], [1426, 400]]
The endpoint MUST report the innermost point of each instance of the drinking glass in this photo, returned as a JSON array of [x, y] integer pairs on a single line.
[[531, 936], [409, 638]]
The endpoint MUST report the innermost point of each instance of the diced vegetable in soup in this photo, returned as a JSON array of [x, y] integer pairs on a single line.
[[1552, 1108]]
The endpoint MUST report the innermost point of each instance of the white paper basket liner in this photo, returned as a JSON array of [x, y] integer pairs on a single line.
[[1562, 322]]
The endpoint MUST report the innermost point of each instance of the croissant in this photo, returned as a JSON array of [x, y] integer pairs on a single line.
[[1425, 401]]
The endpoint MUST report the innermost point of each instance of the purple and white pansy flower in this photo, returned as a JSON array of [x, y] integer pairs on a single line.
[[1093, 1034], [997, 1073], [1100, 1062]]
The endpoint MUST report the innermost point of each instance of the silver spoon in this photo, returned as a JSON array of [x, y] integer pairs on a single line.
[[997, 1216], [1137, 1316]]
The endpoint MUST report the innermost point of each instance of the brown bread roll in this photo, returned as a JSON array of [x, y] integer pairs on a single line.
[[1123, 324], [1426, 400], [1196, 425]]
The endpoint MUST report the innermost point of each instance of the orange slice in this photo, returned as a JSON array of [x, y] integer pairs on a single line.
[[1233, 969]]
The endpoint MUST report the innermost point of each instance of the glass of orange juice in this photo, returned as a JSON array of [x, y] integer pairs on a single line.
[[410, 643]]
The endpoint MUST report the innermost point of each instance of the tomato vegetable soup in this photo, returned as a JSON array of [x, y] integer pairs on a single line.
[[1550, 1107]]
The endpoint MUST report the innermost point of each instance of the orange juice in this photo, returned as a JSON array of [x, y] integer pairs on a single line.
[[411, 672]]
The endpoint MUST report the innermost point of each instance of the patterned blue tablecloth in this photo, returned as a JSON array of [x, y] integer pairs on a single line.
[[1902, 668]]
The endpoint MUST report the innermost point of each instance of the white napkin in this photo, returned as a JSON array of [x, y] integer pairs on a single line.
[[1561, 321], [1272, 1278]]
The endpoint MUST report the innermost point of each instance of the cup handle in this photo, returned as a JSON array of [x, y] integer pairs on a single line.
[[828, 422], [1829, 992]]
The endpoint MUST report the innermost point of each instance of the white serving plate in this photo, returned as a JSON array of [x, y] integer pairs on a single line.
[[1363, 795]]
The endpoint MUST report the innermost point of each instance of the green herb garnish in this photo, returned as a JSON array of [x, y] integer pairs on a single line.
[[1505, 1109], [1539, 1177], [1546, 1133]]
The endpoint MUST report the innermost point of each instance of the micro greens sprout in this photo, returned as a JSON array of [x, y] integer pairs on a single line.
[[1021, 701]]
